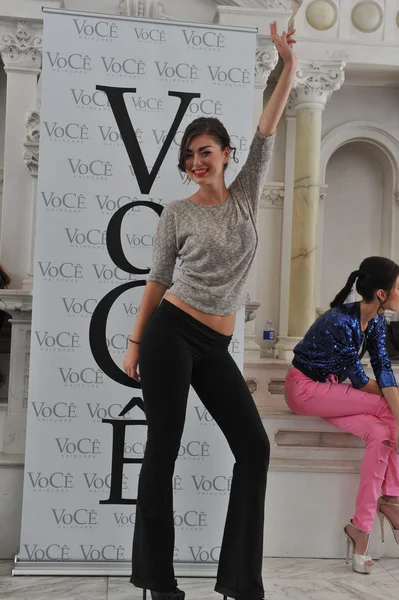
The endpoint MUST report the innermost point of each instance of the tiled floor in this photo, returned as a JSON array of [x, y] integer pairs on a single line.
[[284, 579]]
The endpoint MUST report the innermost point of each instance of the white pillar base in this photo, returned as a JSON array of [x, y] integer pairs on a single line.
[[27, 284], [285, 346], [251, 349]]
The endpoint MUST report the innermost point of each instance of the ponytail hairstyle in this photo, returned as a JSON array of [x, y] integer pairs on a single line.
[[375, 273]]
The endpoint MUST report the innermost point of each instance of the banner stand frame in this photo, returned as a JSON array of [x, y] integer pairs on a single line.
[[115, 17], [51, 520], [102, 569]]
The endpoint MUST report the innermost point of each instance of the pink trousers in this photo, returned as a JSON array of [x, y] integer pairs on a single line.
[[367, 416]]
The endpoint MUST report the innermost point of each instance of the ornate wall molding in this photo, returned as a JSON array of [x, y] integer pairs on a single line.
[[266, 60], [290, 110], [251, 306], [33, 128], [262, 4], [31, 160], [31, 143], [315, 81], [17, 303], [360, 131], [26, 368], [142, 8], [21, 50], [396, 194], [276, 7], [273, 195]]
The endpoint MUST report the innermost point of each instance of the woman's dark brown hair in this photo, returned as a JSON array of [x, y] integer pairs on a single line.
[[5, 279], [375, 273], [205, 126]]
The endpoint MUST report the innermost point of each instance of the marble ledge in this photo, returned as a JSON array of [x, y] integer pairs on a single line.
[[12, 460], [348, 467], [267, 362], [283, 363]]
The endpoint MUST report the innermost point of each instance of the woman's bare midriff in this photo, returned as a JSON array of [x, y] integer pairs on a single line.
[[221, 323]]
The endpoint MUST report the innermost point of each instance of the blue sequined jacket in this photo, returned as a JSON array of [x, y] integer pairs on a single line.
[[334, 344]]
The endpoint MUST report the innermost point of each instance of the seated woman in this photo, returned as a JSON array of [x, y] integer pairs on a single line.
[[331, 352]]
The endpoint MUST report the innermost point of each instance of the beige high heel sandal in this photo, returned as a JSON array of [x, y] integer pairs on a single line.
[[358, 560], [382, 516]]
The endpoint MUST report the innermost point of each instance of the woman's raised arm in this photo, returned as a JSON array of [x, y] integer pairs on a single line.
[[274, 108]]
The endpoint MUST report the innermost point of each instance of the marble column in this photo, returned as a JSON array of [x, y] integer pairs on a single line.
[[290, 132], [266, 61], [314, 85], [20, 47]]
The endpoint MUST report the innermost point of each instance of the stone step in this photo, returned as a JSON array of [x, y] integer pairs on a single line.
[[315, 466], [297, 437]]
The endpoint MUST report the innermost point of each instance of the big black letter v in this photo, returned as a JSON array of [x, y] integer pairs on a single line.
[[145, 179]]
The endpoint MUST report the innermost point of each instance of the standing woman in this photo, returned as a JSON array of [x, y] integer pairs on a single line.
[[184, 340], [331, 352]]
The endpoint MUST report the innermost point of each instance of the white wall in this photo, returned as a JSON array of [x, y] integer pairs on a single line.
[[352, 215], [379, 105], [358, 183], [190, 10]]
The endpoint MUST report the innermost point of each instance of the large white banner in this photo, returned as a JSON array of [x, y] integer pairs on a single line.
[[117, 94]]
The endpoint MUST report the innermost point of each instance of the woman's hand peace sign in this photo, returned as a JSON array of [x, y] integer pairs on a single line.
[[284, 44]]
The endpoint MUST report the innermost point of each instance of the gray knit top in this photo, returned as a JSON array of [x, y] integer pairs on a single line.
[[216, 244]]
